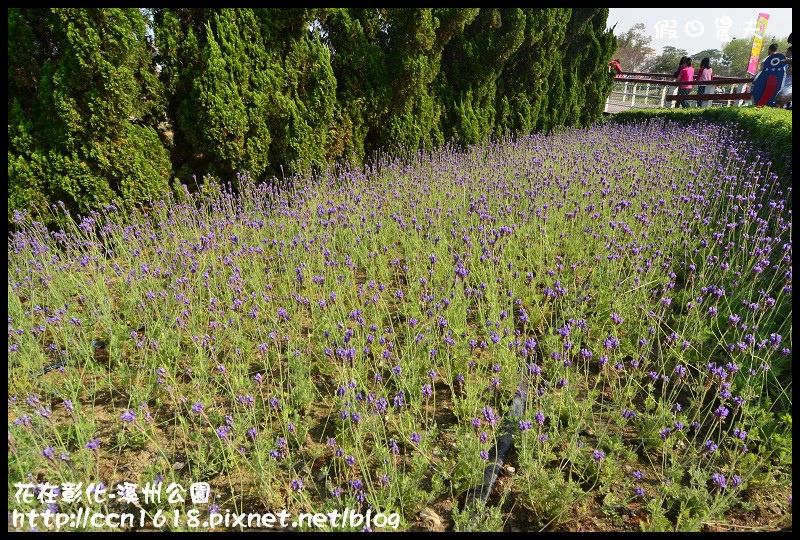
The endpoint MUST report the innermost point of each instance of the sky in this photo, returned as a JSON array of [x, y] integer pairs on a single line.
[[698, 29]]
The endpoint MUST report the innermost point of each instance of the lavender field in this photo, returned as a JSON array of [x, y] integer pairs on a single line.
[[614, 301]]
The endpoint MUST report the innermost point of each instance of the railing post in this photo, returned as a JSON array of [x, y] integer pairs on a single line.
[[742, 86], [646, 93], [663, 96], [633, 95], [709, 90]]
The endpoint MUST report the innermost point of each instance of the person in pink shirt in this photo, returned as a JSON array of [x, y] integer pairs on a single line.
[[704, 74], [686, 74]]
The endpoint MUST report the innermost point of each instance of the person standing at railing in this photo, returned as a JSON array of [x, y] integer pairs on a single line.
[[704, 74], [787, 79], [784, 97], [681, 65], [769, 81], [685, 75], [773, 48]]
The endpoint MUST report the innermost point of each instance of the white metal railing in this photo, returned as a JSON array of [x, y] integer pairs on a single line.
[[646, 95]]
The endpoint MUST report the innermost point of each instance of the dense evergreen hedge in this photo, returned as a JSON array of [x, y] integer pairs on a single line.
[[98, 110]]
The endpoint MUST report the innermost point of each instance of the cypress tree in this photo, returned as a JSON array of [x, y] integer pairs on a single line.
[[388, 67], [307, 98], [473, 63], [411, 117], [588, 48], [84, 105], [357, 58], [249, 90]]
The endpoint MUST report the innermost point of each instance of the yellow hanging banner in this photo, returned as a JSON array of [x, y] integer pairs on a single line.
[[758, 40]]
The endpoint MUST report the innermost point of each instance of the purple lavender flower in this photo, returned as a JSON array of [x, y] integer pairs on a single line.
[[49, 452], [297, 484], [484, 455], [399, 399], [598, 455], [721, 412], [129, 416], [489, 415], [719, 481], [416, 437], [198, 407], [93, 445]]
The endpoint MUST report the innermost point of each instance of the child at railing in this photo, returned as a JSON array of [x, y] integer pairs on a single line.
[[686, 74], [704, 74]]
